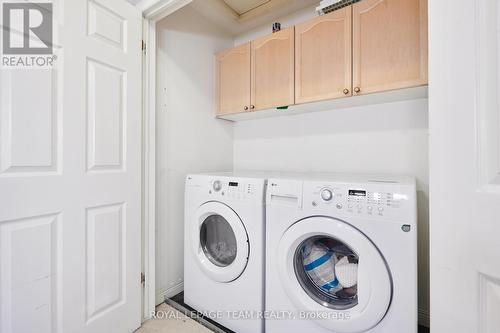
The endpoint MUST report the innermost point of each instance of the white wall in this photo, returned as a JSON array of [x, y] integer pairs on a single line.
[[189, 138], [386, 138]]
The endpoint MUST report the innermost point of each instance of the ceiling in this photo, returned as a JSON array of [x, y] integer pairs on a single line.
[[243, 6], [237, 16]]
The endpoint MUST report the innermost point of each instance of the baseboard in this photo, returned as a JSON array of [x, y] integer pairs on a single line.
[[424, 317], [168, 292]]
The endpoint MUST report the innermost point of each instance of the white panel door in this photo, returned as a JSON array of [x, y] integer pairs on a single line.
[[464, 113], [70, 178]]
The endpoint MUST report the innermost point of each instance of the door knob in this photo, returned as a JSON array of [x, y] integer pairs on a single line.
[[357, 90], [252, 107], [246, 108], [346, 91]]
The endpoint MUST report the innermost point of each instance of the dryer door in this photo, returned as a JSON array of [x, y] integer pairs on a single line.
[[334, 274], [220, 242]]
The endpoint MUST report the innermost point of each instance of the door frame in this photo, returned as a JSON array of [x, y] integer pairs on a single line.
[[153, 11]]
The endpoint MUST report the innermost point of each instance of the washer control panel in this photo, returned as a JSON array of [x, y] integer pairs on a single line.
[[370, 200]]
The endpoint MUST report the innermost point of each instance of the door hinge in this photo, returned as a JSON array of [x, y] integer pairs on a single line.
[[143, 278], [143, 46]]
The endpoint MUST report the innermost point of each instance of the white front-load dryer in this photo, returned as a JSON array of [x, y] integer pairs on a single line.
[[341, 255], [224, 249]]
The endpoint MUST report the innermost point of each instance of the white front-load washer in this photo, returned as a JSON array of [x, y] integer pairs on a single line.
[[224, 249], [341, 255]]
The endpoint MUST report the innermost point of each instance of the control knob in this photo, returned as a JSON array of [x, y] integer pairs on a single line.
[[326, 194], [217, 185]]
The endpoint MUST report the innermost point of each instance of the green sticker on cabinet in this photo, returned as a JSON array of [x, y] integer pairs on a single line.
[[282, 107]]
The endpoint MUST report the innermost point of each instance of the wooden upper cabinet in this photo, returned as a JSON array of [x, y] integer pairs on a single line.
[[273, 70], [233, 80], [389, 44], [323, 68], [370, 46]]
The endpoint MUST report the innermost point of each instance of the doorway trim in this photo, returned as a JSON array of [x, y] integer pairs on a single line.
[[153, 11]]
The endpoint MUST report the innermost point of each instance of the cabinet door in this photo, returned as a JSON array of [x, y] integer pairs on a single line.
[[323, 67], [389, 45], [273, 70], [233, 80]]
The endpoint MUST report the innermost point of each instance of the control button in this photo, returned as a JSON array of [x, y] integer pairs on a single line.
[[381, 209], [217, 185], [339, 206], [326, 195], [406, 228], [370, 208], [314, 203]]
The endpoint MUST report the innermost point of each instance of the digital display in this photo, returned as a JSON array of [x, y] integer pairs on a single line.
[[233, 184], [357, 193]]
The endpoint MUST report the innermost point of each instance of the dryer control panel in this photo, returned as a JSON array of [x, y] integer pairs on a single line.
[[371, 200], [233, 189], [225, 188]]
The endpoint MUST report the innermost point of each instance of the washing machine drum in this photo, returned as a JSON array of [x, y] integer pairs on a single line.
[[334, 274], [220, 242]]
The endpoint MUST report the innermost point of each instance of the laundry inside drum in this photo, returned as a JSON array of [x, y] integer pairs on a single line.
[[218, 241], [327, 270]]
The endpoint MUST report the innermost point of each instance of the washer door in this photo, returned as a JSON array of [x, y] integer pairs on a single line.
[[334, 274], [220, 242]]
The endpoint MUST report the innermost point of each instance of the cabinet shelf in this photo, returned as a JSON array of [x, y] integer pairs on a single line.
[[333, 104]]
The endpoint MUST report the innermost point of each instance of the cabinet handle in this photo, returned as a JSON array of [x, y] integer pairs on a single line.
[[246, 108], [252, 107], [357, 90], [346, 91]]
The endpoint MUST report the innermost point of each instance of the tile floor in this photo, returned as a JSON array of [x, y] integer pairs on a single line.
[[176, 322]]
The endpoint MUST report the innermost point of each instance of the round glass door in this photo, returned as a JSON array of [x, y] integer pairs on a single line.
[[328, 266], [327, 270], [218, 241]]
